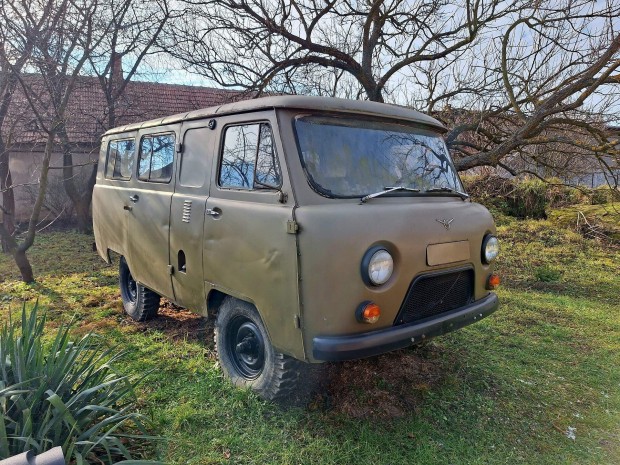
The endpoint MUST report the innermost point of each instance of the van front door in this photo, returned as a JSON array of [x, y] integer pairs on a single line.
[[149, 203], [187, 215], [249, 251]]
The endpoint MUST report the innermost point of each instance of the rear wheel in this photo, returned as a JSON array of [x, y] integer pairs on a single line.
[[140, 303], [247, 356]]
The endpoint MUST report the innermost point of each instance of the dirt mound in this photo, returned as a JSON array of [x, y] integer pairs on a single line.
[[384, 387]]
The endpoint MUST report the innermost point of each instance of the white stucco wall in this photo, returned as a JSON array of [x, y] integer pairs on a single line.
[[26, 170]]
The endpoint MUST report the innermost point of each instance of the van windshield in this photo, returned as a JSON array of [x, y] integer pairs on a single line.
[[353, 158]]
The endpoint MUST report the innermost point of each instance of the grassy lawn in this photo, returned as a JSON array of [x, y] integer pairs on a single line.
[[536, 383]]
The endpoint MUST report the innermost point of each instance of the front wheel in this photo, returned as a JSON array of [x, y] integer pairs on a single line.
[[247, 356], [140, 303]]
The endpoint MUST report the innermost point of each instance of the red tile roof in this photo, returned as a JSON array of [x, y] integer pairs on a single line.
[[87, 114]]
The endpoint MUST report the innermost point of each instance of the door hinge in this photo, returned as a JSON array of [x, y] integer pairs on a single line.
[[170, 269], [297, 322], [292, 227], [179, 147]]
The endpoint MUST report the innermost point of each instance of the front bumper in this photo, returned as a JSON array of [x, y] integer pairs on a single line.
[[336, 348]]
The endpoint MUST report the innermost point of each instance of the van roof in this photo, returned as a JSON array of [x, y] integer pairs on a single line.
[[300, 102]]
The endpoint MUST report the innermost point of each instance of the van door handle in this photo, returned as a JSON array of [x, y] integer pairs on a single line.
[[134, 198], [214, 212]]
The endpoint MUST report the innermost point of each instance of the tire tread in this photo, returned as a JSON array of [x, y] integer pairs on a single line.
[[147, 302]]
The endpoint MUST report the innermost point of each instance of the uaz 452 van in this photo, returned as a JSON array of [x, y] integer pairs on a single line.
[[314, 229]]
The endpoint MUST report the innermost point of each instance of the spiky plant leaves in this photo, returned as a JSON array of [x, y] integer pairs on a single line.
[[65, 393]]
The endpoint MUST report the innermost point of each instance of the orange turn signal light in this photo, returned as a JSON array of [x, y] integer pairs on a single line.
[[493, 281], [368, 312]]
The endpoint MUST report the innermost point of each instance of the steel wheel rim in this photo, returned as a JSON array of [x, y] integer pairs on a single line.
[[132, 288], [246, 347]]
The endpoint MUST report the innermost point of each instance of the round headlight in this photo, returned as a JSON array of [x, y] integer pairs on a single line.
[[490, 248], [380, 267]]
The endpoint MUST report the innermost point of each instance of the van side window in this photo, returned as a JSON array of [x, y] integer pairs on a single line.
[[156, 158], [120, 159], [249, 160], [194, 158]]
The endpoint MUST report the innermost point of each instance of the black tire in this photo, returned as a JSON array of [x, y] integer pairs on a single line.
[[140, 303], [246, 355]]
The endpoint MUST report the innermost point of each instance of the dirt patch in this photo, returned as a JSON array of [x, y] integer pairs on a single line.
[[97, 327], [179, 324], [384, 387]]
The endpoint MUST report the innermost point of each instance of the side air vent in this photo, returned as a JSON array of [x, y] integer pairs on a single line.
[[187, 211]]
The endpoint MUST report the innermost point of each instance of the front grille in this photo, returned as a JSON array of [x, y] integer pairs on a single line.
[[430, 295]]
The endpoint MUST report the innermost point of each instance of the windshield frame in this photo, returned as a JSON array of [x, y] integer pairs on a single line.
[[424, 130]]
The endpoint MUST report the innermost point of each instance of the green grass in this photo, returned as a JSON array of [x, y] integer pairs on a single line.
[[505, 390]]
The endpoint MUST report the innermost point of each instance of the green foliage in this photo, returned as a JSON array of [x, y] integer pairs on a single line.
[[528, 199], [63, 394], [521, 198], [560, 195], [603, 195], [503, 390], [546, 274]]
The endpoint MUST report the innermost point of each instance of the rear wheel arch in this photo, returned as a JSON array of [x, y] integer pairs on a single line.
[[139, 302]]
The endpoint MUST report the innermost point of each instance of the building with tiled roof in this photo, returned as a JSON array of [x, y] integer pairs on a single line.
[[87, 118]]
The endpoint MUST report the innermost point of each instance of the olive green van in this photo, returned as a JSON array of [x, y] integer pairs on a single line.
[[314, 229]]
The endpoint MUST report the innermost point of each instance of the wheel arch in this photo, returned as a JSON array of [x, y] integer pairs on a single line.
[[215, 298]]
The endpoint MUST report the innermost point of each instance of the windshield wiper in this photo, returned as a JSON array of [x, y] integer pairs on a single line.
[[387, 191], [462, 195]]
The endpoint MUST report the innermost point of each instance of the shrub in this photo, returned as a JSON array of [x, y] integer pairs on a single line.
[[602, 195], [528, 199], [64, 394], [560, 195], [489, 190], [521, 198]]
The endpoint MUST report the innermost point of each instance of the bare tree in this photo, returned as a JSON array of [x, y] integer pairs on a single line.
[[61, 46], [552, 80], [256, 43], [12, 62], [505, 75], [7, 211], [128, 30]]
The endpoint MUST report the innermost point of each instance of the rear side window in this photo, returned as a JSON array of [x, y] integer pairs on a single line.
[[194, 159], [121, 154], [156, 158], [249, 159]]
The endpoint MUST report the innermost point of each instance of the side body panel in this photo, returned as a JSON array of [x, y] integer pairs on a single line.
[[110, 203], [187, 215], [247, 250], [148, 226]]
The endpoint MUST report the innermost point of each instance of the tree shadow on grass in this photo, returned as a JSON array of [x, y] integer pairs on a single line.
[[178, 324]]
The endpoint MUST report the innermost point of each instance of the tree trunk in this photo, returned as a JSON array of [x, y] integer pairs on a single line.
[[82, 214], [81, 202], [372, 89], [19, 250], [18, 253], [8, 197], [24, 265]]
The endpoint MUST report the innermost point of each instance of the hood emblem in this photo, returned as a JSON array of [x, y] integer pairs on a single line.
[[444, 222]]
